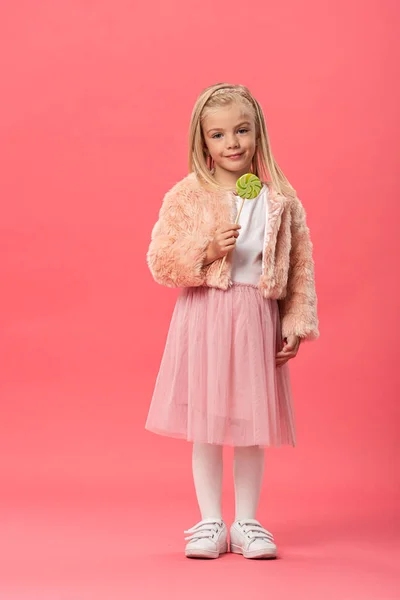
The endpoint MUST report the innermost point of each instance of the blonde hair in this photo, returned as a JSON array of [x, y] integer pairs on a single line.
[[263, 165]]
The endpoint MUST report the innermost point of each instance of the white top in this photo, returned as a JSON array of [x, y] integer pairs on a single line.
[[248, 253]]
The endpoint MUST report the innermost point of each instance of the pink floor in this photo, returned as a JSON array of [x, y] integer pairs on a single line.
[[94, 547], [92, 507]]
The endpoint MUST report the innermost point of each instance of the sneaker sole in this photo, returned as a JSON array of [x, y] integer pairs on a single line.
[[255, 554], [198, 553]]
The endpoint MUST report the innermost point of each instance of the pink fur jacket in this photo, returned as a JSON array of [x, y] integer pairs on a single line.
[[189, 217]]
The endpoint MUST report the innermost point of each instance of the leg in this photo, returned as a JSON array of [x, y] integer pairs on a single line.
[[207, 475], [208, 539], [248, 537], [248, 471]]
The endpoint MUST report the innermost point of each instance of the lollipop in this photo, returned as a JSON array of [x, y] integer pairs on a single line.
[[247, 187]]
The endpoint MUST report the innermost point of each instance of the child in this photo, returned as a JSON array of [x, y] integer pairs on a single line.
[[224, 377]]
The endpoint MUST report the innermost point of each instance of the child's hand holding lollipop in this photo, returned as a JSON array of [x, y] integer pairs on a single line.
[[223, 242], [247, 187]]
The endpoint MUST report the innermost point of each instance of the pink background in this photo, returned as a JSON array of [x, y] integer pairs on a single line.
[[94, 111]]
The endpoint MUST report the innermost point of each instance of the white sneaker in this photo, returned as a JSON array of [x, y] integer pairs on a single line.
[[249, 538], [208, 539]]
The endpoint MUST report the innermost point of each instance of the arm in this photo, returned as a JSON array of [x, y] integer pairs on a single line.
[[177, 253], [299, 308]]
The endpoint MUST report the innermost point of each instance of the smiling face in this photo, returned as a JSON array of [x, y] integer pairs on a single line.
[[230, 136]]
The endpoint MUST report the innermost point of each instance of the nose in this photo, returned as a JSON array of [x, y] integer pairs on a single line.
[[232, 141]]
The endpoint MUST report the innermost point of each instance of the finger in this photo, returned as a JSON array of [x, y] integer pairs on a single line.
[[286, 349], [285, 356], [229, 240], [230, 227], [287, 344], [280, 363], [228, 234], [289, 348]]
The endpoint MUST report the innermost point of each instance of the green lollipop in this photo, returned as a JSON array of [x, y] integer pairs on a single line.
[[247, 187]]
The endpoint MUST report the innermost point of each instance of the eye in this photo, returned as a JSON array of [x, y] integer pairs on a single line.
[[243, 130], [215, 135]]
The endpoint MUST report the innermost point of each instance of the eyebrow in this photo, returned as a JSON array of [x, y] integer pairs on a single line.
[[220, 128]]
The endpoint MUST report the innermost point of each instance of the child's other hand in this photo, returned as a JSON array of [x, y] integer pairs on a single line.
[[289, 350], [224, 241]]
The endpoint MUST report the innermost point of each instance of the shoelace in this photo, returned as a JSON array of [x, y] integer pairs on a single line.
[[254, 530], [204, 529]]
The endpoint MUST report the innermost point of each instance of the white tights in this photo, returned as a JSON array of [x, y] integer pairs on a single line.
[[248, 470]]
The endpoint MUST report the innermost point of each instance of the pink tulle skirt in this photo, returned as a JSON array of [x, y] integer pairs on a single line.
[[218, 382]]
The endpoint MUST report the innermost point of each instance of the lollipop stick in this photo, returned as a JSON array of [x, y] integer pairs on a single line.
[[236, 222], [240, 211]]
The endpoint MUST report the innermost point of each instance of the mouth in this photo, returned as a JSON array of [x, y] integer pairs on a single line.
[[235, 156]]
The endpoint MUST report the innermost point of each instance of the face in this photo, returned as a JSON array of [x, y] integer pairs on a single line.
[[230, 136]]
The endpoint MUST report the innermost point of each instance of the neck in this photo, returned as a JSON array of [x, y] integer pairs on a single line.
[[227, 179]]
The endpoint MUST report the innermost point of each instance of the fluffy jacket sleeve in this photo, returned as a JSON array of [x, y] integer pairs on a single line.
[[299, 307], [177, 250]]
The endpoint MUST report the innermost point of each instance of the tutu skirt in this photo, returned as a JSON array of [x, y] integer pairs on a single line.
[[218, 382]]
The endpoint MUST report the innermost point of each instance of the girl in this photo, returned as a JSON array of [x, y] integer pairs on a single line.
[[224, 377]]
